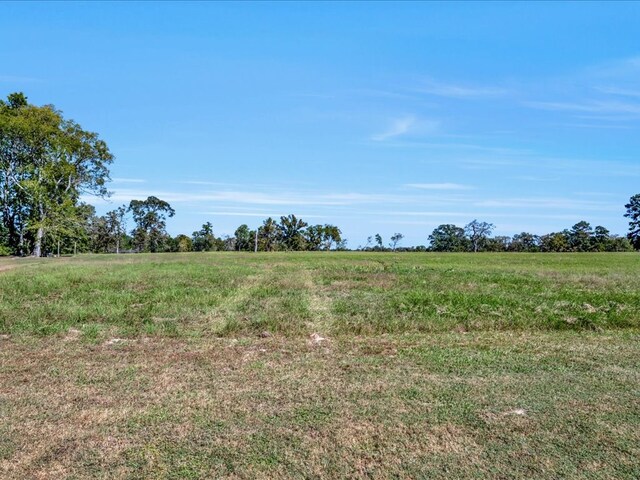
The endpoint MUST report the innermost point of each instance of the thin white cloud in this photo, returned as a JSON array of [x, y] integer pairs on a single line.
[[462, 91], [597, 125], [547, 202], [18, 79], [398, 127], [127, 180], [608, 106], [458, 146], [618, 69], [469, 215], [624, 92], [259, 214], [439, 186], [258, 198]]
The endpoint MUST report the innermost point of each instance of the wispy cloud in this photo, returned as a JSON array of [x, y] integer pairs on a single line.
[[618, 69], [292, 199], [398, 127], [127, 180], [259, 214], [461, 91], [548, 202], [438, 186], [619, 91], [18, 79], [609, 106]]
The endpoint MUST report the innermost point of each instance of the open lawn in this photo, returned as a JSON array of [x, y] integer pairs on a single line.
[[320, 365]]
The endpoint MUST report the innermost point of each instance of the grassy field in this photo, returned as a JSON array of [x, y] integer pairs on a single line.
[[320, 365]]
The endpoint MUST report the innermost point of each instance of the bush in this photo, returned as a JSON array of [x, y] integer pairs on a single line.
[[4, 251]]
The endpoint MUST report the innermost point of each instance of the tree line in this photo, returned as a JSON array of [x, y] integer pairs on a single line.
[[109, 234], [48, 162], [476, 237]]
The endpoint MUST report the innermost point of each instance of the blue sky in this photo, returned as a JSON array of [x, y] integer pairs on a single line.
[[377, 117]]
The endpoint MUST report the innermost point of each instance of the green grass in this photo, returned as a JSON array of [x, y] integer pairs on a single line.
[[296, 294], [434, 366]]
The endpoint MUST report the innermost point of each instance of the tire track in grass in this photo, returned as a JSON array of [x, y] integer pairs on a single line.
[[320, 305], [225, 317]]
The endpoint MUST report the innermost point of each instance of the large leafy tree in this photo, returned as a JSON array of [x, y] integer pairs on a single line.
[[555, 242], [150, 216], [331, 236], [580, 237], [46, 163], [292, 232], [116, 226], [314, 235], [633, 214], [322, 237], [204, 240], [268, 235], [601, 239], [244, 238], [478, 232], [448, 238], [525, 242]]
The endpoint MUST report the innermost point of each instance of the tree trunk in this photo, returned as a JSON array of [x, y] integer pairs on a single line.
[[37, 248]]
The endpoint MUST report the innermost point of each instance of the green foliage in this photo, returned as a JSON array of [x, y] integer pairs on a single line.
[[633, 214], [204, 240], [448, 238], [395, 239], [478, 232], [292, 233], [183, 244], [244, 238], [46, 164], [150, 216], [525, 242]]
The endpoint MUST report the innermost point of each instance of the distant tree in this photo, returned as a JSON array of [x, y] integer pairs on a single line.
[[183, 243], [228, 243], [341, 246], [525, 242], [292, 232], [580, 237], [378, 238], [116, 226], [497, 244], [601, 239], [98, 232], [619, 244], [314, 235], [268, 235], [633, 214], [150, 216], [331, 235], [478, 233], [204, 240], [555, 242], [448, 238], [244, 238], [395, 239]]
